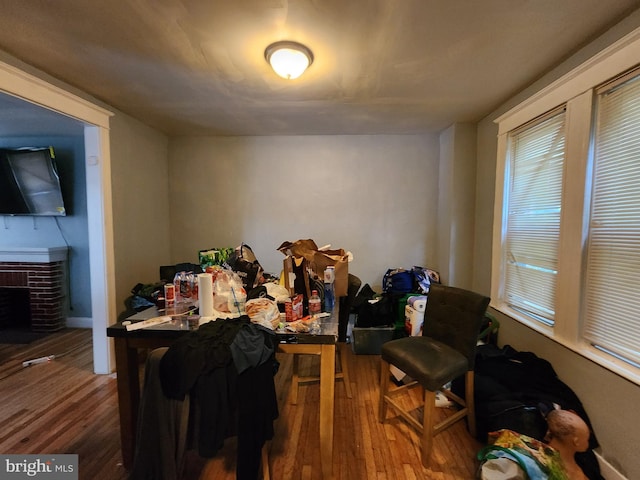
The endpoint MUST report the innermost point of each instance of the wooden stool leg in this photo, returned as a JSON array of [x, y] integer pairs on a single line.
[[344, 368], [427, 426], [265, 462], [384, 387], [343, 374], [469, 400]]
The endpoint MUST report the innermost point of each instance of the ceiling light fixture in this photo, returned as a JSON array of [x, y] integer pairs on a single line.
[[288, 59]]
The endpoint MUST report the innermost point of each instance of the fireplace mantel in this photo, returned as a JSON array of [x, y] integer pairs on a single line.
[[33, 254], [41, 270]]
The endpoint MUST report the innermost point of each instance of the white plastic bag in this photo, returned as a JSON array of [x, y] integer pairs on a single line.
[[263, 311], [228, 292]]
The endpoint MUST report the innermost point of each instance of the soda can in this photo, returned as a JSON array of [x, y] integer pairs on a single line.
[[288, 311], [169, 294]]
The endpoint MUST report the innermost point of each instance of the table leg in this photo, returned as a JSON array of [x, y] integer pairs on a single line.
[[327, 388], [128, 382]]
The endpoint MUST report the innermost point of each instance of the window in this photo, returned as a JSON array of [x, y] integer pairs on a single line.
[[566, 243], [612, 281], [536, 160]]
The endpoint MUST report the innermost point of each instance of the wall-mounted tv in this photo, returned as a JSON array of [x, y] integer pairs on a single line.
[[29, 182]]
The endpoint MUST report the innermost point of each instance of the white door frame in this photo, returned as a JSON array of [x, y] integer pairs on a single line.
[[18, 83]]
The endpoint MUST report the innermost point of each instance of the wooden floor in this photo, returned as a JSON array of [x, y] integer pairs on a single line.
[[62, 407]]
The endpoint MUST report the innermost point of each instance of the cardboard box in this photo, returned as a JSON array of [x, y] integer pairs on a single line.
[[368, 341]]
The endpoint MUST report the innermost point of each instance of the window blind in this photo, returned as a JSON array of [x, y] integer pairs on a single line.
[[533, 216], [612, 274]]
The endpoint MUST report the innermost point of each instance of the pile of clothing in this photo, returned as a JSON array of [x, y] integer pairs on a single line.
[[514, 390], [212, 383]]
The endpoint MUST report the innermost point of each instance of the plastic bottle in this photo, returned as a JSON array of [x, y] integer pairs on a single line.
[[185, 287], [193, 280], [314, 303], [237, 300], [176, 284], [329, 292]]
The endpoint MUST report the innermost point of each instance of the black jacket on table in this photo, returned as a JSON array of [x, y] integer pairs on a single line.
[[227, 368]]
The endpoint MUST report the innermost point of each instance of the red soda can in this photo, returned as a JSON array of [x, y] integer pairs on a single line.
[[288, 311], [169, 294]]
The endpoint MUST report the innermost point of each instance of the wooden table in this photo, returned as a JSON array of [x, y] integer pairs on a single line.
[[128, 343]]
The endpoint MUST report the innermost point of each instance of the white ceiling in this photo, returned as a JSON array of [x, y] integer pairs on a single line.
[[197, 67]]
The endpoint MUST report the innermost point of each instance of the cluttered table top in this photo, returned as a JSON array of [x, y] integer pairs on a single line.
[[177, 320]]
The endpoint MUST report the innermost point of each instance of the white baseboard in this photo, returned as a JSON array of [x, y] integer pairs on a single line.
[[79, 322], [607, 470]]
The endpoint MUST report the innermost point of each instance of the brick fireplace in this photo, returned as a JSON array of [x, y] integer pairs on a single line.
[[43, 272]]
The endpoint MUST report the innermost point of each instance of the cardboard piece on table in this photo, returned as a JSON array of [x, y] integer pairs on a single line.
[[288, 275]]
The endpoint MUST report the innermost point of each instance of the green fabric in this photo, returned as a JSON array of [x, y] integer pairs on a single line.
[[537, 459]]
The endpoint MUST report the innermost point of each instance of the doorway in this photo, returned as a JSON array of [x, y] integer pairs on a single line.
[[36, 93]]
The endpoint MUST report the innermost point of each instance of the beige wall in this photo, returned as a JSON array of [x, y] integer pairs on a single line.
[[456, 204], [140, 191], [610, 400], [373, 195]]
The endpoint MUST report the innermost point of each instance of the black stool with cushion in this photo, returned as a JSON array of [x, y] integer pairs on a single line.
[[444, 352]]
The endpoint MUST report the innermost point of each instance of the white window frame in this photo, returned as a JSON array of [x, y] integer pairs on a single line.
[[575, 91]]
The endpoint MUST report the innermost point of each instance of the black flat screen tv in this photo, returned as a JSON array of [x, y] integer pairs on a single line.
[[29, 183]]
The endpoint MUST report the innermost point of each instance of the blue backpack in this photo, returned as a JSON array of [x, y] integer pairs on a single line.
[[398, 280]]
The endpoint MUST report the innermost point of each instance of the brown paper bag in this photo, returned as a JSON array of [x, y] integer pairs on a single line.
[[320, 260]]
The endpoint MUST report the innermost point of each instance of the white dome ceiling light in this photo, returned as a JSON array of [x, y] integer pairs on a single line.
[[288, 59]]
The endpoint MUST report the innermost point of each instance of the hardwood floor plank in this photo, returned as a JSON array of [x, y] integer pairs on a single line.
[[62, 407]]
